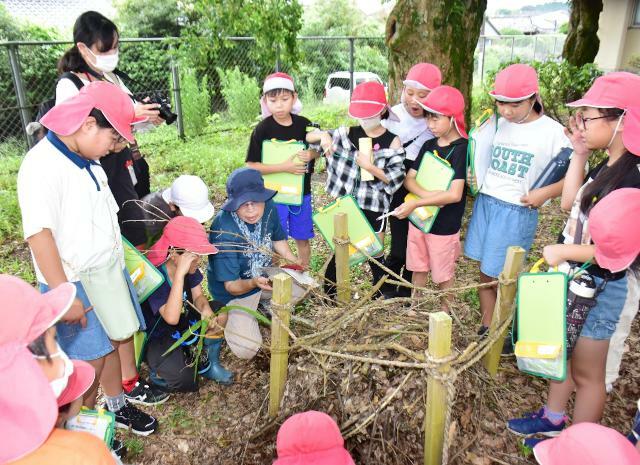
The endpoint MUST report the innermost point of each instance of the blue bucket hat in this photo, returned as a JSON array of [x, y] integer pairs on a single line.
[[245, 185]]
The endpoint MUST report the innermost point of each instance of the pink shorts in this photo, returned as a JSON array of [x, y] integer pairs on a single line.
[[430, 252]]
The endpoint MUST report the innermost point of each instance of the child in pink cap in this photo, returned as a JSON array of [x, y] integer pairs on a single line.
[[413, 132], [606, 120], [505, 212], [281, 121], [177, 304], [344, 163], [69, 218], [437, 251]]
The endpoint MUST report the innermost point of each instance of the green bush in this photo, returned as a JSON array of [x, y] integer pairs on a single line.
[[560, 82], [196, 102], [241, 95]]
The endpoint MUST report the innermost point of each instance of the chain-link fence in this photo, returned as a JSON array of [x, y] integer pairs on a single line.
[[226, 73]]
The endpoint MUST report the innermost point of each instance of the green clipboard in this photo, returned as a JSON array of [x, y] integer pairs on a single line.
[[541, 308], [145, 277], [479, 149], [290, 186], [101, 423], [434, 174], [361, 234]]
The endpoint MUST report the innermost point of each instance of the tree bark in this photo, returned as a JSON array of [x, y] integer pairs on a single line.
[[442, 32], [582, 42]]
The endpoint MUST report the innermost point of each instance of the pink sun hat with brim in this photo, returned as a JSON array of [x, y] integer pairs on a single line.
[[423, 76], [278, 81], [614, 225], [27, 402], [116, 106], [515, 83], [631, 132], [368, 100], [447, 101], [587, 444], [311, 438], [182, 232], [79, 382], [613, 90]]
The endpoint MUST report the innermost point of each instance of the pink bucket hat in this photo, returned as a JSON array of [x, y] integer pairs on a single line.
[[613, 90], [182, 232], [447, 101], [423, 76], [587, 444], [631, 132], [27, 402], [311, 438], [278, 81], [116, 106], [79, 382], [614, 224], [515, 83], [368, 100]]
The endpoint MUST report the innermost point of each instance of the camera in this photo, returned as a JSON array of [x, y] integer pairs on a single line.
[[164, 108]]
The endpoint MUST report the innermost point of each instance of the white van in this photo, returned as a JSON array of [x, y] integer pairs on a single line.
[[337, 87]]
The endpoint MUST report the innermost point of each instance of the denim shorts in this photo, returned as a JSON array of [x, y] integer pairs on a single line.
[[91, 342], [495, 226], [602, 319], [296, 219]]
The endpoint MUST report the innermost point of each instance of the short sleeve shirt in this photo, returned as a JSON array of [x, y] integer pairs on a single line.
[[237, 257], [70, 448], [449, 219], [269, 129]]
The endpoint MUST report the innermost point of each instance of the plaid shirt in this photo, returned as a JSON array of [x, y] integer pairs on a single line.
[[344, 173]]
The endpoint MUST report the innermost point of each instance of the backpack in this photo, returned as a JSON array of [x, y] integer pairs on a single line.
[[47, 105]]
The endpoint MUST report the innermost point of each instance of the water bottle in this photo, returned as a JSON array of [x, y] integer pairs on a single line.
[[581, 297], [555, 170]]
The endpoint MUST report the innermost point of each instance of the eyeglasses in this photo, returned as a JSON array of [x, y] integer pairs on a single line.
[[117, 138], [581, 121]]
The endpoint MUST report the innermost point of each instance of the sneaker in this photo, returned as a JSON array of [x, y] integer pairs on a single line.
[[532, 442], [146, 394], [507, 348], [535, 423], [119, 449], [483, 331], [129, 417]]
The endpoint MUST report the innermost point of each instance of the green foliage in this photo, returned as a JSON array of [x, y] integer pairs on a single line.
[[241, 95], [634, 63], [196, 102], [149, 18], [509, 31], [564, 28], [560, 82]]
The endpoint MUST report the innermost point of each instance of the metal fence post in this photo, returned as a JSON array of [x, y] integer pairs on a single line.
[[352, 49], [18, 85], [177, 100], [535, 47], [484, 52], [513, 43]]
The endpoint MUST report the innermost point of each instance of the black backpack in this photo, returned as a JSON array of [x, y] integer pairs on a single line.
[[47, 105]]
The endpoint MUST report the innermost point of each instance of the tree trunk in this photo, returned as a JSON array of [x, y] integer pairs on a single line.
[[442, 32], [582, 42]]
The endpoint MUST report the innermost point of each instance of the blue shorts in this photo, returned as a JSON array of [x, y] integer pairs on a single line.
[[495, 226], [296, 219], [602, 319], [91, 342]]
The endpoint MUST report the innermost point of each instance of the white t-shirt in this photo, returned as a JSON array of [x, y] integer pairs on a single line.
[[54, 193], [408, 129], [520, 153]]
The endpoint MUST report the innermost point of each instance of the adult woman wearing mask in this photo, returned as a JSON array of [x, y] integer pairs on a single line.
[[35, 375], [94, 56]]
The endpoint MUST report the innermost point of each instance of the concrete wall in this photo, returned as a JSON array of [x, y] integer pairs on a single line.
[[618, 41]]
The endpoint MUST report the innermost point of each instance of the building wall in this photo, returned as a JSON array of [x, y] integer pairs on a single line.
[[618, 41]]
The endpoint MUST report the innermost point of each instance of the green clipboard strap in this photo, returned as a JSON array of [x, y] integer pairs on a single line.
[[472, 180], [290, 187]]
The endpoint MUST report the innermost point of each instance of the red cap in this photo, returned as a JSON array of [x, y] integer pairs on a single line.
[[368, 100], [631, 132], [182, 232], [613, 90], [311, 438], [278, 81], [515, 83], [614, 225], [447, 101], [79, 382], [424, 76], [116, 106], [587, 444]]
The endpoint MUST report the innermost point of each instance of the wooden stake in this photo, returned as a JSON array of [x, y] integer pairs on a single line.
[[281, 309], [341, 233], [439, 347], [505, 305]]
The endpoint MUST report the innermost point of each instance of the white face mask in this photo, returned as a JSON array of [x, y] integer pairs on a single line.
[[370, 123], [105, 63], [59, 384]]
